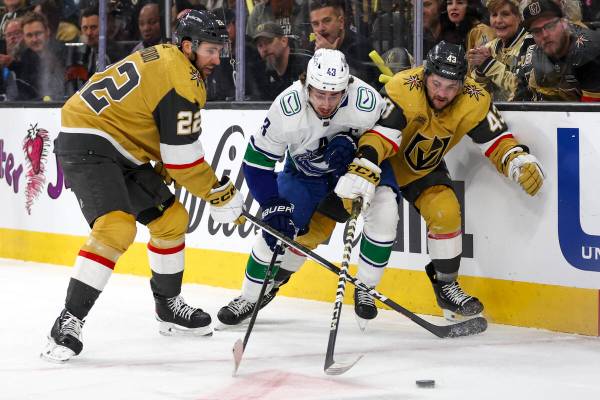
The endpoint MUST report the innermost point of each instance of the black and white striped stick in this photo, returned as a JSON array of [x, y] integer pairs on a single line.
[[331, 366]]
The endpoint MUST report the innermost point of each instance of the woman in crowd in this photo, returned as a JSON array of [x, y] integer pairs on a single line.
[[496, 63], [461, 24]]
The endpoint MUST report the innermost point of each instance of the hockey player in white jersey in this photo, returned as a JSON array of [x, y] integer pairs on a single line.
[[315, 124]]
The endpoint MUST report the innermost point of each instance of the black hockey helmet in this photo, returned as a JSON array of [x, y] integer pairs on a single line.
[[398, 59], [200, 26], [447, 60]]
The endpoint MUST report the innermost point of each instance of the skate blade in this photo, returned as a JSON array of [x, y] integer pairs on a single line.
[[56, 353], [170, 329], [362, 323], [455, 317], [221, 327]]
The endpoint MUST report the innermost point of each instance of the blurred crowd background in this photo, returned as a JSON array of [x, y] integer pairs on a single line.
[[50, 48]]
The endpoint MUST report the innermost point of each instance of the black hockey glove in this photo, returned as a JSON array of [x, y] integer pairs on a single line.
[[339, 153], [278, 215]]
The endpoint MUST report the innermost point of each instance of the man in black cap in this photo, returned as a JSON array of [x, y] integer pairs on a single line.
[[220, 85], [565, 64], [283, 66]]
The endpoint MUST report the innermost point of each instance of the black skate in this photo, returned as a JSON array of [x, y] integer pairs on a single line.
[[240, 309], [364, 307], [455, 304], [175, 317], [64, 340]]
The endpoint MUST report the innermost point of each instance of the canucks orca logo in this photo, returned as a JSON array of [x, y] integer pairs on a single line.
[[312, 162], [424, 153]]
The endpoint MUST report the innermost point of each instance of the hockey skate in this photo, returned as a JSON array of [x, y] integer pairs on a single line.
[[364, 307], [64, 340], [455, 304], [240, 309], [175, 317]]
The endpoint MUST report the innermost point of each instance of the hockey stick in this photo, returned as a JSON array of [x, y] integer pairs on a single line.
[[240, 346], [465, 328], [331, 366]]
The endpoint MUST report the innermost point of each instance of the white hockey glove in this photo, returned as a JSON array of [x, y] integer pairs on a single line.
[[226, 203], [527, 171], [360, 181]]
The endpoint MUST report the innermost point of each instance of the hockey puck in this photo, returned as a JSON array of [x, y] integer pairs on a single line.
[[425, 383]]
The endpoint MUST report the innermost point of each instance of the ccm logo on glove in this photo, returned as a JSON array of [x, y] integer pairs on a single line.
[[224, 196], [364, 172]]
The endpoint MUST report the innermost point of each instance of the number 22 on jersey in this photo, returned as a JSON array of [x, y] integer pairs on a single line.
[[120, 82]]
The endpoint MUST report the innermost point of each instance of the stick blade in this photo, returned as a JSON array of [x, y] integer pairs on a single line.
[[338, 368], [238, 353], [469, 327]]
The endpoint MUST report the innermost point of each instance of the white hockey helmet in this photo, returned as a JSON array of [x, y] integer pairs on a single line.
[[328, 70]]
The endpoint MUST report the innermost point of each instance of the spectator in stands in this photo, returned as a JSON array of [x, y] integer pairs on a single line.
[[13, 39], [40, 67], [461, 24], [432, 27], [220, 84], [565, 64], [61, 30], [497, 63], [283, 67], [149, 25], [14, 9], [90, 28], [287, 14], [328, 24]]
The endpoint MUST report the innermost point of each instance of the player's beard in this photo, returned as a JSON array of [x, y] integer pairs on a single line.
[[438, 103]]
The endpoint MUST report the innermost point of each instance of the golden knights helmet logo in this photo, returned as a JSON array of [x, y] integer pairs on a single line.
[[424, 153]]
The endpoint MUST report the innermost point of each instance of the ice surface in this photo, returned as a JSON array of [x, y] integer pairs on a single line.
[[124, 357]]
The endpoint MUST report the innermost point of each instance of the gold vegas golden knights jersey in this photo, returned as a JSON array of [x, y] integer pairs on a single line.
[[428, 135], [148, 107]]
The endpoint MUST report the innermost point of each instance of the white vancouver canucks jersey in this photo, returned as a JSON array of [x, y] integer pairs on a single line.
[[292, 125]]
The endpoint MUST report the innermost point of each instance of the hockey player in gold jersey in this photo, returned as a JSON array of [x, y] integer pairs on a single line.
[[433, 108], [141, 109]]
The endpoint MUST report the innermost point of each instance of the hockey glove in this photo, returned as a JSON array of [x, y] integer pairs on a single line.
[[278, 215], [339, 153], [226, 203], [527, 171], [160, 169], [360, 181]]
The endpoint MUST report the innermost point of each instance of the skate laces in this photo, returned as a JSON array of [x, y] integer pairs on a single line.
[[364, 298], [240, 306], [178, 306], [454, 293], [71, 325]]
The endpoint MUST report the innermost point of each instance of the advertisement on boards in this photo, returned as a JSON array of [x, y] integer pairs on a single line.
[[551, 238]]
